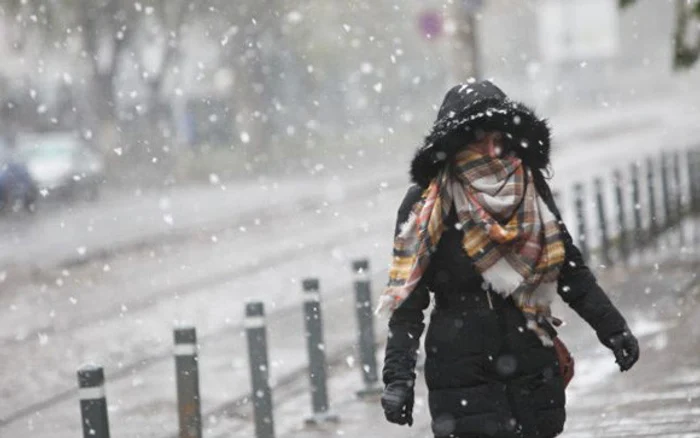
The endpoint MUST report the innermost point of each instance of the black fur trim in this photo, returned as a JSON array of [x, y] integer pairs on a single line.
[[527, 134]]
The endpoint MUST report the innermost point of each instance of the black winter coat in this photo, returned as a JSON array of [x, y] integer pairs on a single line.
[[487, 374]]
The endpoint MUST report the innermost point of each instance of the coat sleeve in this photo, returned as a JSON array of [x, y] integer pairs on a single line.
[[578, 286], [406, 322]]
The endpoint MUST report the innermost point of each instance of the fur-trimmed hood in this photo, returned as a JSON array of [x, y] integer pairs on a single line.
[[480, 107]]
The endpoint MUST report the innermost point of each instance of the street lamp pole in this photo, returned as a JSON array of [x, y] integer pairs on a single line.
[[468, 54]]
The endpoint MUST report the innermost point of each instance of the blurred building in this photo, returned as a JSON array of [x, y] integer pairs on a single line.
[[581, 53], [339, 81]]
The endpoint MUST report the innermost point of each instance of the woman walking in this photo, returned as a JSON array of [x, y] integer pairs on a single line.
[[479, 229]]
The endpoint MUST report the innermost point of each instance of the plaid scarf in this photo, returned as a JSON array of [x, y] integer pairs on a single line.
[[512, 238]]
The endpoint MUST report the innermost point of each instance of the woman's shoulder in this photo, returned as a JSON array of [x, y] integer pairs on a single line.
[[413, 195]]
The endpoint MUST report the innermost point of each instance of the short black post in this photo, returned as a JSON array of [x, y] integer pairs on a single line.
[[653, 216], [696, 178], [187, 381], [666, 192], [678, 187], [606, 259], [93, 404], [317, 354], [622, 225], [693, 169], [365, 324], [581, 219], [678, 197], [259, 369], [637, 202]]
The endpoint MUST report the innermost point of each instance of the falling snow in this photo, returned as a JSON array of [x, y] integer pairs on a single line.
[[187, 158]]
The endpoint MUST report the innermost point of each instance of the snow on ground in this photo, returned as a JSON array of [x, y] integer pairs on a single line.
[[647, 401], [661, 395], [257, 240], [265, 263]]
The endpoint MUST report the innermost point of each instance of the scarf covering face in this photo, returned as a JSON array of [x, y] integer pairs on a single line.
[[512, 238]]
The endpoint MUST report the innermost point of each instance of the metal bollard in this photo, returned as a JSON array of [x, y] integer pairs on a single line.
[[602, 223], [665, 191], [187, 381], [622, 226], [678, 187], [678, 196], [693, 158], [581, 218], [694, 199], [365, 324], [636, 200], [261, 396], [93, 404], [653, 217], [694, 178], [317, 354]]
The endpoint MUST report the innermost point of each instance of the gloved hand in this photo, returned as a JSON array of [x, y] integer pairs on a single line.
[[626, 349], [397, 401]]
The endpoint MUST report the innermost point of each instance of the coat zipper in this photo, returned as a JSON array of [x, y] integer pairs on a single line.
[[508, 390]]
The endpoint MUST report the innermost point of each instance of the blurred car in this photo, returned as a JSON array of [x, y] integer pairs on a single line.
[[17, 189], [62, 165]]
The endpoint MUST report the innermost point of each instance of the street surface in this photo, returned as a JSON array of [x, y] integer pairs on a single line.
[[106, 282]]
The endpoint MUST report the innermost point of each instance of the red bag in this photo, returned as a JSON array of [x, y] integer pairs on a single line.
[[566, 361]]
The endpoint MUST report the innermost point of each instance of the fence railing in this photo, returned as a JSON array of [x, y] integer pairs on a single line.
[[620, 234], [640, 212]]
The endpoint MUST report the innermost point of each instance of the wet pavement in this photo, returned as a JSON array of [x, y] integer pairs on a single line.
[[659, 397]]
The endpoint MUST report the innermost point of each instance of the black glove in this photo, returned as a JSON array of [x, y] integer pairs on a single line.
[[626, 349], [397, 401]]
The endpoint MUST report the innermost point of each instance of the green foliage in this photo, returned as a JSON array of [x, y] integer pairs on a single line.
[[625, 3], [685, 57], [686, 53]]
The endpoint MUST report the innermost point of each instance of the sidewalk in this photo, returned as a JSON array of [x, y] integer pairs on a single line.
[[660, 396]]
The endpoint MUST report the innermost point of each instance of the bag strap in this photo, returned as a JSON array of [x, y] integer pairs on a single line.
[[545, 192]]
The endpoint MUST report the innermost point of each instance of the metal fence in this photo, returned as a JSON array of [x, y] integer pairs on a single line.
[[648, 198]]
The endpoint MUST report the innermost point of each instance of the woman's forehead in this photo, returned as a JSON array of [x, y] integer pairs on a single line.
[[481, 134]]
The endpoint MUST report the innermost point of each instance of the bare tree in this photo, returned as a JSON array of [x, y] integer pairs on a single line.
[[111, 28], [255, 46]]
